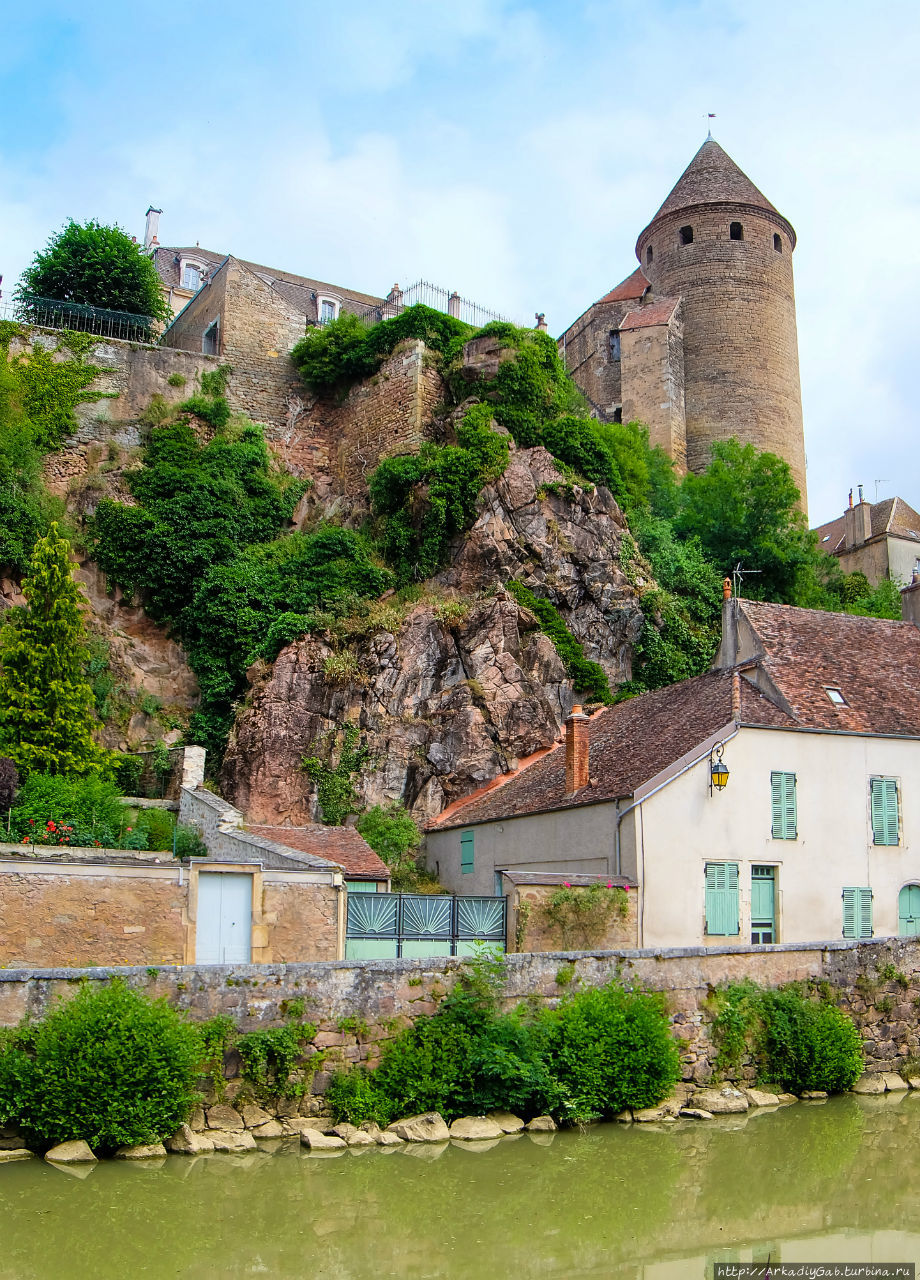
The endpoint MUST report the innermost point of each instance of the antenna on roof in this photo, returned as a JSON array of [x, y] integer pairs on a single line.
[[738, 574], [877, 483]]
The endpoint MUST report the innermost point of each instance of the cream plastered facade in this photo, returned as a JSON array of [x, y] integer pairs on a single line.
[[668, 837]]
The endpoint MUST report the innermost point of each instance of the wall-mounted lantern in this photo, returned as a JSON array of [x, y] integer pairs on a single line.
[[718, 769]]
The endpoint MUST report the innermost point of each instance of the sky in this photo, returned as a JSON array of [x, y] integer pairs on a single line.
[[510, 150]]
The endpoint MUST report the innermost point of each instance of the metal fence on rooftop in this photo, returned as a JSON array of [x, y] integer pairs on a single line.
[[429, 295]]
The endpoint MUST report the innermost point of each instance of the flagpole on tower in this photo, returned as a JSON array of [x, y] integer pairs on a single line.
[[710, 115]]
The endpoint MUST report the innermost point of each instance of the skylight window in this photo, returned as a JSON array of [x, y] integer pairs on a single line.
[[826, 538], [836, 697]]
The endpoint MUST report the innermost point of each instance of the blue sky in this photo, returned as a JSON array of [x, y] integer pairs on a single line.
[[510, 150]]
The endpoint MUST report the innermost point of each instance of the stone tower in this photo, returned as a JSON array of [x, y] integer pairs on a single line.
[[720, 246]]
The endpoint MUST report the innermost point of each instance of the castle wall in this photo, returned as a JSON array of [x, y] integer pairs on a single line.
[[652, 360], [740, 343], [588, 358]]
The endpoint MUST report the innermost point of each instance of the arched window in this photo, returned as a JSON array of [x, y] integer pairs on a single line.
[[778, 242], [649, 255], [614, 345], [736, 231], [686, 235]]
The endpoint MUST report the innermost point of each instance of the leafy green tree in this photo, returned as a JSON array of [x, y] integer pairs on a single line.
[[744, 507], [96, 266], [391, 832], [46, 704]]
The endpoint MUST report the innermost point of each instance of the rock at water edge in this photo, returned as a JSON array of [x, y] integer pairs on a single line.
[[150, 1151], [721, 1102], [869, 1084], [77, 1152], [317, 1141], [541, 1124], [760, 1098], [696, 1113], [185, 1142], [476, 1129], [893, 1082], [507, 1121], [429, 1127], [15, 1153], [270, 1129], [228, 1140]]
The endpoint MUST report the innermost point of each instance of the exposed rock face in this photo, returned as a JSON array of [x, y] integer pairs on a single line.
[[446, 706], [561, 544]]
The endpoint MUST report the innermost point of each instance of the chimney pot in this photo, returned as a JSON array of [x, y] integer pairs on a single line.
[[577, 751]]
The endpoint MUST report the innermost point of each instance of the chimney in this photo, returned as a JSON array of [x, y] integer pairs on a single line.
[[576, 751], [540, 317], [152, 227], [910, 600], [857, 522], [453, 305]]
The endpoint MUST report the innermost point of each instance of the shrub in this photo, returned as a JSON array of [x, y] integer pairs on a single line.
[[391, 832], [807, 1043], [353, 1096], [110, 1066], [127, 771], [582, 915], [335, 786], [270, 1056], [609, 1048], [158, 826], [75, 811], [189, 843]]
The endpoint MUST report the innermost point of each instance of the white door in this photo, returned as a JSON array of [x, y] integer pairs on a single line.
[[224, 927]]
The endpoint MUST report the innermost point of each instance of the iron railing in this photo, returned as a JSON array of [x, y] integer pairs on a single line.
[[429, 295], [50, 313], [381, 925]]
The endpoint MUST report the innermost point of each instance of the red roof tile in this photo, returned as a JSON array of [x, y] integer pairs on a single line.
[[633, 286], [893, 517], [874, 663], [658, 312], [340, 845]]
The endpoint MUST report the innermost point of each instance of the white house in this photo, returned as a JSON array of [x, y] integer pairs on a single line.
[[815, 834]]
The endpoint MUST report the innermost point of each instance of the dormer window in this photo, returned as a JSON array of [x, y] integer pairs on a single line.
[[327, 309], [191, 276], [836, 697]]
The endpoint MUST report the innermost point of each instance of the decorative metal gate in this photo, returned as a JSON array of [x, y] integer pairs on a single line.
[[385, 926]]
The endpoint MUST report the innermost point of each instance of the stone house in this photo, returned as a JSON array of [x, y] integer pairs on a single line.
[[263, 895], [879, 539], [699, 342], [815, 834]]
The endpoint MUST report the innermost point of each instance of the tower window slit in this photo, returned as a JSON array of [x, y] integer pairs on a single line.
[[736, 231], [686, 235], [778, 242]]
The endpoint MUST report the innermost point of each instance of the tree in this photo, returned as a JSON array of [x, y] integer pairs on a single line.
[[96, 266], [46, 705], [744, 507], [22, 500]]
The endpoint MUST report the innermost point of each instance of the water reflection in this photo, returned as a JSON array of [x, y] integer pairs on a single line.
[[644, 1202]]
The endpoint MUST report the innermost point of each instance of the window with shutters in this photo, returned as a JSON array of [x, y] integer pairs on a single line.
[[782, 799], [466, 851], [722, 916], [857, 912], [883, 797]]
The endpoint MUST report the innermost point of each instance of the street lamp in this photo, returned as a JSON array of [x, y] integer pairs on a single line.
[[718, 770]]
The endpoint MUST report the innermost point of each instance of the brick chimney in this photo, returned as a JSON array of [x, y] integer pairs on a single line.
[[540, 318], [453, 305], [576, 751], [857, 522]]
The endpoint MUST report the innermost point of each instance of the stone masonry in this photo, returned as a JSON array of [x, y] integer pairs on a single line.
[[390, 994]]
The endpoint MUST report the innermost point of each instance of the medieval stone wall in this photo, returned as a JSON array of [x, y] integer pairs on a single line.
[[740, 342], [390, 994], [652, 363]]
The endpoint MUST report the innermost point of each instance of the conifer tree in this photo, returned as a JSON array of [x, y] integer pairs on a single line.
[[46, 705]]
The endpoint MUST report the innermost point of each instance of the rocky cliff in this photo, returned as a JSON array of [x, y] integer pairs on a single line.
[[463, 686]]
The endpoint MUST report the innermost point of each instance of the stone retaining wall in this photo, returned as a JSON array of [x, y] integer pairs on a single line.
[[389, 994]]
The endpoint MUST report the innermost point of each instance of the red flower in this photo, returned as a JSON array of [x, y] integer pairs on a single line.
[[567, 884]]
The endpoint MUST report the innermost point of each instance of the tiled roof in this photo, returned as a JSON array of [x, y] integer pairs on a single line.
[[628, 744], [790, 657], [340, 845], [893, 517], [873, 662], [712, 177], [296, 290], [633, 286], [658, 312]]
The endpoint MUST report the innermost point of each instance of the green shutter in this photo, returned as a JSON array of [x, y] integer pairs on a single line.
[[466, 851], [857, 913], [722, 918], [884, 797], [782, 796]]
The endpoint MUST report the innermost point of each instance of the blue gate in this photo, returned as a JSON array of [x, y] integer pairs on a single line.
[[385, 926]]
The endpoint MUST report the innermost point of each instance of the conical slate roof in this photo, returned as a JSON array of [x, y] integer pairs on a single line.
[[712, 177]]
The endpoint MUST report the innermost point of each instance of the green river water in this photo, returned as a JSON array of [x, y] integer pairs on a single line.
[[815, 1182]]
